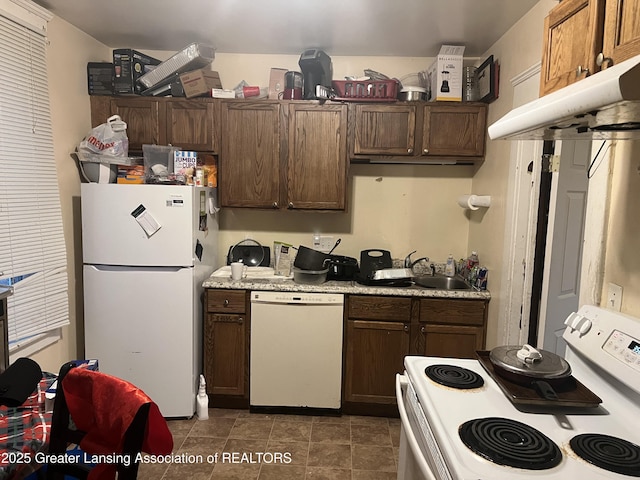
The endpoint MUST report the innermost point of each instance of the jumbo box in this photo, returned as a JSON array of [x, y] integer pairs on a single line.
[[128, 66], [446, 74]]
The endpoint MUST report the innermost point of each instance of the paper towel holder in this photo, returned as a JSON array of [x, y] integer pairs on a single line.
[[474, 202]]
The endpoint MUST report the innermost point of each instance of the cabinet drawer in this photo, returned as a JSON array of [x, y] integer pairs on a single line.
[[223, 301], [449, 311], [380, 308]]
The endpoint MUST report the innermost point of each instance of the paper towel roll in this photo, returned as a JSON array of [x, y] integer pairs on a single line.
[[473, 202]]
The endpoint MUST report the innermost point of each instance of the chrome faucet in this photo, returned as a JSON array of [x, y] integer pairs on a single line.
[[408, 263]]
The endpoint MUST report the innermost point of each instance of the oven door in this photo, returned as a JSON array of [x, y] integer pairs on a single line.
[[419, 458]]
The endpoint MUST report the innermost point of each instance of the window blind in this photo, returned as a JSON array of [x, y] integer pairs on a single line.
[[32, 248]]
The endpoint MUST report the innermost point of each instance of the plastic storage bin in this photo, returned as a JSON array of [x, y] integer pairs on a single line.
[[158, 164], [366, 90], [309, 277]]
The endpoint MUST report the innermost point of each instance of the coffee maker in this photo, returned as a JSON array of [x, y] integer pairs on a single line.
[[316, 70]]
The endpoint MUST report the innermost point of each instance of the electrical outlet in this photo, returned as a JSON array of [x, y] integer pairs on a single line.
[[614, 297], [326, 243], [323, 243]]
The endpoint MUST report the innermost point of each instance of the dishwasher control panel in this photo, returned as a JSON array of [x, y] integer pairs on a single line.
[[306, 298]]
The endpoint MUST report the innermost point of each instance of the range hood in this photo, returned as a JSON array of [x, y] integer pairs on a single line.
[[605, 105]]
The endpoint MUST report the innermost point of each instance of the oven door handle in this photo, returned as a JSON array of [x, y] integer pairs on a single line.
[[402, 381]]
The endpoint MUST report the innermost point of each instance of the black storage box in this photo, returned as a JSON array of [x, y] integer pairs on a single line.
[[128, 66], [100, 78]]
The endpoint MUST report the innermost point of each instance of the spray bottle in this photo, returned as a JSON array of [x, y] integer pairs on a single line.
[[202, 400]]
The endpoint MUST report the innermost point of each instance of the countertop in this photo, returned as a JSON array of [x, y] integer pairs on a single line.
[[347, 287]]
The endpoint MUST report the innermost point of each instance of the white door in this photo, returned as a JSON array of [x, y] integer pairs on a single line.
[[113, 235], [521, 222], [139, 324], [561, 284]]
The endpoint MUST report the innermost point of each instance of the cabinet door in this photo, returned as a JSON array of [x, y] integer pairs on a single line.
[[249, 163], [144, 118], [383, 129], [621, 30], [572, 40], [317, 157], [453, 341], [454, 130], [190, 125], [225, 354], [374, 354]]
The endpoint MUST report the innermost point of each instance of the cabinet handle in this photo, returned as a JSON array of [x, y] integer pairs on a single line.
[[601, 59], [275, 205], [409, 150], [290, 206], [425, 151], [423, 329], [226, 302], [580, 70], [241, 320], [406, 327]]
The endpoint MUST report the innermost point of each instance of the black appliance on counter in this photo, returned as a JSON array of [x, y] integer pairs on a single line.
[[316, 70], [342, 268], [373, 260]]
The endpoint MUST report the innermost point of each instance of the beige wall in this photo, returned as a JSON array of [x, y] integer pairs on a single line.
[[68, 52], [398, 208], [519, 49], [622, 259]]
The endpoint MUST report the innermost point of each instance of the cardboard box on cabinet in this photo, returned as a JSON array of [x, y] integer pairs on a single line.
[[446, 74], [200, 82]]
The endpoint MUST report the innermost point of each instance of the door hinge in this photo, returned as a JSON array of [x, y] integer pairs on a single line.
[[550, 163]]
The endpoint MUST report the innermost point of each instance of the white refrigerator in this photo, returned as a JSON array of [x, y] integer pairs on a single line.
[[146, 251]]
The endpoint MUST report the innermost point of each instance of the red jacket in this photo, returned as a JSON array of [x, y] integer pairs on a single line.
[[104, 406]]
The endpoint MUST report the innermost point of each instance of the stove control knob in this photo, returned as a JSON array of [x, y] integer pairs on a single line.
[[585, 326], [573, 321]]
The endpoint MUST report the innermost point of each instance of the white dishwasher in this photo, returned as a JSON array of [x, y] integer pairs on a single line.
[[296, 349]]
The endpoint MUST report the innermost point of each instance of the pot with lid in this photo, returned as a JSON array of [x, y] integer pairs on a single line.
[[525, 365]]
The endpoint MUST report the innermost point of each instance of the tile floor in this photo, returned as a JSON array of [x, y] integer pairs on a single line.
[[280, 447]]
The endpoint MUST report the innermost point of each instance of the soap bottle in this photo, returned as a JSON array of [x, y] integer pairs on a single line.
[[450, 267], [202, 400]]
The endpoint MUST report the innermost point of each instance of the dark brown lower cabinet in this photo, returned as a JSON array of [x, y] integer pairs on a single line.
[[375, 352], [381, 331], [226, 348], [377, 339]]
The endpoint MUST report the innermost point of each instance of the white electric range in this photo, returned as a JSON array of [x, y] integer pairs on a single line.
[[477, 433]]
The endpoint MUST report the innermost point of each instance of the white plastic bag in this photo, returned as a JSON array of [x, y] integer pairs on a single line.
[[108, 138]]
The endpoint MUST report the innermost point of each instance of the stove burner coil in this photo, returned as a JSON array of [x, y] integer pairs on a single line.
[[610, 453], [510, 443], [454, 377]]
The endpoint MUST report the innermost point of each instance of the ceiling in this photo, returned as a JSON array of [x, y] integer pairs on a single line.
[[411, 28]]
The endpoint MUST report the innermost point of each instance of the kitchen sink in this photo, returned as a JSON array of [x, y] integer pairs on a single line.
[[440, 282]]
